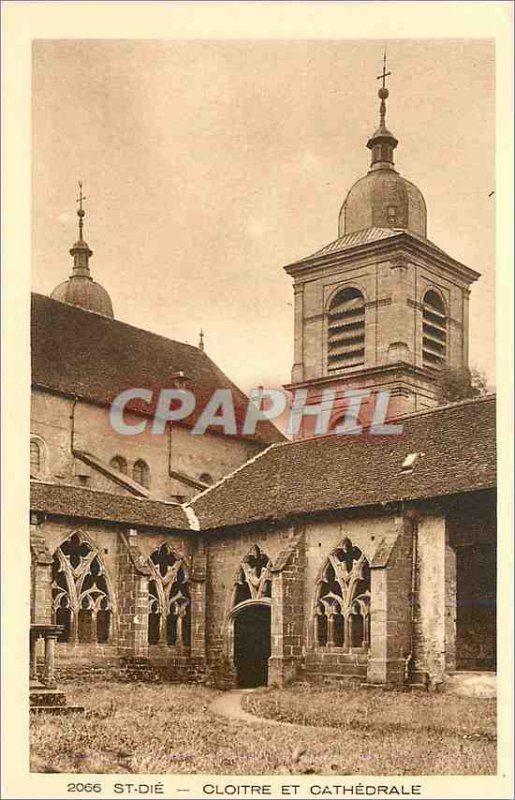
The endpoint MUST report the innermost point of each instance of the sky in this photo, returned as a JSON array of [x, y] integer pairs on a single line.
[[209, 165]]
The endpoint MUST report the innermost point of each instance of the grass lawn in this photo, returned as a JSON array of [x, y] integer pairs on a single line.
[[168, 729]]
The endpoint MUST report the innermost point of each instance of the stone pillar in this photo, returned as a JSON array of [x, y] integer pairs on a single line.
[[287, 613], [435, 628], [50, 640], [33, 658], [41, 576], [198, 605], [134, 576], [390, 604]]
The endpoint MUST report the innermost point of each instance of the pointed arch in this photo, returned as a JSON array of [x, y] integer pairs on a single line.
[[342, 599], [169, 610], [82, 595]]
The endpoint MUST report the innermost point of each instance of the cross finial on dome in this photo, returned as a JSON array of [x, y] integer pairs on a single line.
[[382, 143], [383, 92], [201, 340], [80, 211]]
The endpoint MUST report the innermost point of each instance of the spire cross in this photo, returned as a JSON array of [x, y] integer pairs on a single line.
[[80, 212], [384, 73], [81, 197]]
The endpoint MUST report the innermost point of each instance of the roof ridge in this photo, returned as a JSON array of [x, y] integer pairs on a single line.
[[91, 490], [115, 321], [408, 415]]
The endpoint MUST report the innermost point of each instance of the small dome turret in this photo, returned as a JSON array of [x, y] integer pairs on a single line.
[[383, 198], [80, 289]]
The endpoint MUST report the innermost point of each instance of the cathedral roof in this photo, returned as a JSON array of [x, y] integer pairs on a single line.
[[78, 353], [456, 444]]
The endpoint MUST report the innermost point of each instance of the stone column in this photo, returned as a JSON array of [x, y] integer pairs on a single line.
[[435, 629], [33, 657], [287, 613], [50, 640], [134, 575], [41, 576], [198, 606]]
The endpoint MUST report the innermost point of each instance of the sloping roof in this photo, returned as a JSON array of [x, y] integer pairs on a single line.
[[78, 501], [365, 236], [338, 472], [78, 352]]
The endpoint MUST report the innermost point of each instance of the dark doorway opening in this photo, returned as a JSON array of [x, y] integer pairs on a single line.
[[252, 645], [476, 607]]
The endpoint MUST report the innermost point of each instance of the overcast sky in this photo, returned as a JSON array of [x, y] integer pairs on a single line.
[[209, 165]]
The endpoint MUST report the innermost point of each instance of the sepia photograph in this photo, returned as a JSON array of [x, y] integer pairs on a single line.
[[263, 410]]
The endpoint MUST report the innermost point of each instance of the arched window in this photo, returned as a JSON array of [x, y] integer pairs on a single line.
[[254, 579], [169, 605], [206, 478], [434, 331], [36, 457], [342, 610], [346, 330], [119, 463], [80, 593], [141, 473]]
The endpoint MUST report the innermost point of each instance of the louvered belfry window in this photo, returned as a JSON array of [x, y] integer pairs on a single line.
[[346, 330], [434, 331]]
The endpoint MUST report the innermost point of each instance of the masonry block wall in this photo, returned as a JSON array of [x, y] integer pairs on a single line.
[[225, 553], [287, 613], [391, 582], [64, 424], [434, 623]]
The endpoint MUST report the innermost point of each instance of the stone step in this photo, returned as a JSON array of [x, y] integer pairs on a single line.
[[47, 697]]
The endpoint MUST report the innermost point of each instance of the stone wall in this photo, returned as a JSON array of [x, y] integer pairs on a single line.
[[59, 421]]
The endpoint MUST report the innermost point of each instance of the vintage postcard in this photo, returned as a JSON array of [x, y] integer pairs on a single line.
[[257, 350]]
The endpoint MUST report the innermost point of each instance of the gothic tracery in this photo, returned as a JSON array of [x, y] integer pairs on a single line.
[[254, 579], [343, 599], [80, 594], [169, 599]]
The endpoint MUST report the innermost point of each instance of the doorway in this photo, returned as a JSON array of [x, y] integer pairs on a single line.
[[476, 607], [252, 644]]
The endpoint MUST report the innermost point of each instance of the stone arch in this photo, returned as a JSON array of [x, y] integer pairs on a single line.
[[341, 605], [83, 598], [141, 473], [39, 448]]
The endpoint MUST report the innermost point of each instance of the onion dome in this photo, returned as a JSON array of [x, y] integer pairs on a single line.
[[80, 289], [383, 198]]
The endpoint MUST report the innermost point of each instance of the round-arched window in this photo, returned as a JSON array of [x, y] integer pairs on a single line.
[[346, 330], [141, 473]]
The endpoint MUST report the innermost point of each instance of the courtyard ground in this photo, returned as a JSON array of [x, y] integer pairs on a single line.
[[143, 728]]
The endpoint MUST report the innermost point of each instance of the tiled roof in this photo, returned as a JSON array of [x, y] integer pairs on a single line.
[[339, 472], [364, 236], [78, 352], [77, 501]]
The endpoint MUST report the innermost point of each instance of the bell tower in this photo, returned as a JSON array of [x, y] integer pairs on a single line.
[[381, 307]]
